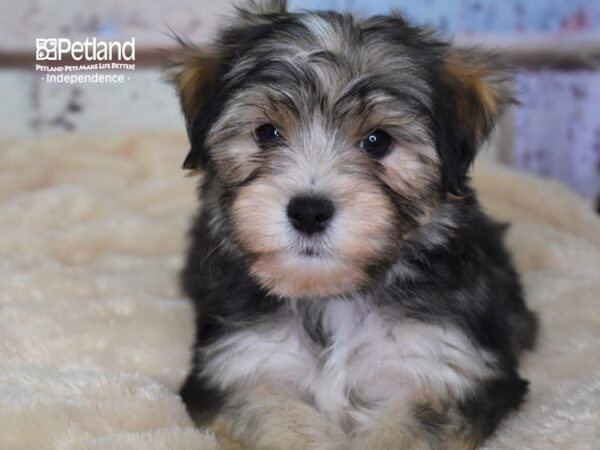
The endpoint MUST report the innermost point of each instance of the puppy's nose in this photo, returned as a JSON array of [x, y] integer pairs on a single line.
[[310, 214]]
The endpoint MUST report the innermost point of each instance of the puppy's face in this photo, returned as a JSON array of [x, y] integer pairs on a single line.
[[328, 140]]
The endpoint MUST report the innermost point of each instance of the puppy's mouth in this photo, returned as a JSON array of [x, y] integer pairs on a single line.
[[313, 249], [310, 253]]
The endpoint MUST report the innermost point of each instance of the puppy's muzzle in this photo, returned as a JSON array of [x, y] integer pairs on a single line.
[[310, 215]]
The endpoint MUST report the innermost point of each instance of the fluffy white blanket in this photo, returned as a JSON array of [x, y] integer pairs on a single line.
[[95, 336]]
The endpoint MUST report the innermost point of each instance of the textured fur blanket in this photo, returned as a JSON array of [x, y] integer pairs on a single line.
[[95, 336]]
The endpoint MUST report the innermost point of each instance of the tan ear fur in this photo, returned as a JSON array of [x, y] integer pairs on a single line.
[[194, 72], [483, 89], [194, 75]]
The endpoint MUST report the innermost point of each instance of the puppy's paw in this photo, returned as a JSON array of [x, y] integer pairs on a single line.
[[319, 435], [267, 422]]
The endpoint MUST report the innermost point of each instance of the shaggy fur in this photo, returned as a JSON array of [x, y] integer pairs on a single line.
[[349, 291], [92, 323]]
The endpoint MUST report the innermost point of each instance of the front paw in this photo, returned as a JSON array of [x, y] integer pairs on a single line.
[[409, 441], [395, 438], [290, 429]]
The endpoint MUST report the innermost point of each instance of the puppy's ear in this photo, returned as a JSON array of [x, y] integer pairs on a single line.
[[194, 72], [475, 90]]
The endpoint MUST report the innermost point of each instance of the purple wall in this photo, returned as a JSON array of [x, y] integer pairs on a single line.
[[480, 16]]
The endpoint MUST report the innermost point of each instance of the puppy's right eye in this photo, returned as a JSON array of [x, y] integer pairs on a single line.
[[267, 135]]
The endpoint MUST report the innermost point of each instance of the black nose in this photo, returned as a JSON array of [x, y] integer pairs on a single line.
[[310, 214]]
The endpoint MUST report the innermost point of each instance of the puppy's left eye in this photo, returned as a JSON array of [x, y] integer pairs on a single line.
[[377, 144], [267, 136]]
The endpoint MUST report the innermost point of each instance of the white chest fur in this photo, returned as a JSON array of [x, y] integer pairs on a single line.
[[368, 360]]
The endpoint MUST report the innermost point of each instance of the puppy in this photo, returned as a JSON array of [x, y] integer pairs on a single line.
[[349, 291]]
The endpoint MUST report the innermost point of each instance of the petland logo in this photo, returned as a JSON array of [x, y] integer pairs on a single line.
[[90, 50], [81, 56]]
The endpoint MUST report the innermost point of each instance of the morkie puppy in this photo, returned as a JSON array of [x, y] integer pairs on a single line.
[[349, 291]]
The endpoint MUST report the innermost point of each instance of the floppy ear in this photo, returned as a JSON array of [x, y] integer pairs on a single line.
[[475, 89], [196, 72]]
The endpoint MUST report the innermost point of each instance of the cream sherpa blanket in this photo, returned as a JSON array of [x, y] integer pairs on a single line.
[[95, 336]]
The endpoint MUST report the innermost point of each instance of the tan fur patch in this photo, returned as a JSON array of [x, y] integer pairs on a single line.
[[412, 170], [222, 429], [481, 90], [269, 417], [318, 279], [464, 443], [424, 422], [237, 160], [195, 74], [473, 76]]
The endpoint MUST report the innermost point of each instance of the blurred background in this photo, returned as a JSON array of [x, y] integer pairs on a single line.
[[555, 44]]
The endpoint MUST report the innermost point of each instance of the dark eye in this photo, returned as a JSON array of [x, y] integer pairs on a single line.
[[267, 136], [377, 144]]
